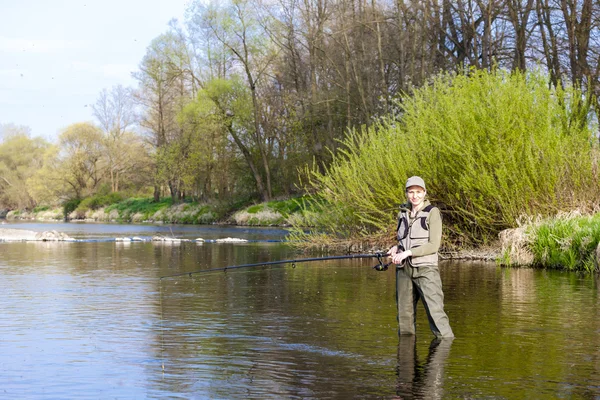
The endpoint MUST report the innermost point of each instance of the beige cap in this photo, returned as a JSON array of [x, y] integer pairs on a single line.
[[415, 181]]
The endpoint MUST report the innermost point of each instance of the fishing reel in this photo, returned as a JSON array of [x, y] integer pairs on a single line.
[[380, 265]]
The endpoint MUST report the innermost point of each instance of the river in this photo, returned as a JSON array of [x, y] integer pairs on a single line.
[[94, 319]]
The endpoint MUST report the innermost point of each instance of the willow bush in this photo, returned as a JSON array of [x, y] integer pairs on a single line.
[[491, 146]]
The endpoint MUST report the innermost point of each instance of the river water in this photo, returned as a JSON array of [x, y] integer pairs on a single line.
[[90, 320]]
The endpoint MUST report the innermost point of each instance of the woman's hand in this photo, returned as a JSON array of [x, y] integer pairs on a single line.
[[399, 258]]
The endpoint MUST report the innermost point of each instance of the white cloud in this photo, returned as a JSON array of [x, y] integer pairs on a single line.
[[15, 45]]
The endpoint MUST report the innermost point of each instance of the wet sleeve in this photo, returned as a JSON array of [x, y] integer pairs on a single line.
[[435, 235]]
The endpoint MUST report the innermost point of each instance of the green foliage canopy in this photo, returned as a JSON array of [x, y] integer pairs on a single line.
[[20, 158]]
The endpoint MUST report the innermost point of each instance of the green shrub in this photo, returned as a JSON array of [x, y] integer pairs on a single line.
[[69, 206], [255, 209], [491, 147], [283, 207], [286, 207], [99, 201]]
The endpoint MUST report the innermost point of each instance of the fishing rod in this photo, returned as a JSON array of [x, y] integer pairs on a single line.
[[379, 267]]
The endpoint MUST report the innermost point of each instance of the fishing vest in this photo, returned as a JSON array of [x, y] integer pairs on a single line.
[[415, 233]]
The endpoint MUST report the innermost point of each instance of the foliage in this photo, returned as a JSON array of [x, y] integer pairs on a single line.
[[205, 158], [165, 210], [283, 207], [491, 148], [99, 200], [20, 158], [144, 206], [69, 206], [46, 184], [79, 164], [305, 74], [276, 212], [223, 106], [566, 243]]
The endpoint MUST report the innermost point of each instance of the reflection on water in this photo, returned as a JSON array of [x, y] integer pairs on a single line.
[[93, 320], [421, 380]]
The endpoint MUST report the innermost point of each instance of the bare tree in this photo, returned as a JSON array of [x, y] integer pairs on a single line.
[[115, 111], [520, 14]]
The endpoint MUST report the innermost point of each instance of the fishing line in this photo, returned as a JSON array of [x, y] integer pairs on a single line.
[[162, 332], [379, 267]]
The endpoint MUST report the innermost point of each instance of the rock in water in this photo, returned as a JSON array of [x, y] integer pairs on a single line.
[[51, 236]]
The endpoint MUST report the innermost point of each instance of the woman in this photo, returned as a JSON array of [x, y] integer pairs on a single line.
[[416, 257]]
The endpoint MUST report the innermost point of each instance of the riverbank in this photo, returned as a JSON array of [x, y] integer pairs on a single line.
[[519, 247], [567, 241], [143, 210]]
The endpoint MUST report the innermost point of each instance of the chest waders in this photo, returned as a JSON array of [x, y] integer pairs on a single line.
[[419, 278]]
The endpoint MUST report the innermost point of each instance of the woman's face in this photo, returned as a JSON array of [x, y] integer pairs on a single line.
[[416, 196]]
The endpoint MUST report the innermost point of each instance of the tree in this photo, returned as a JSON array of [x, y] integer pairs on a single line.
[[9, 130], [210, 156], [315, 69], [229, 104], [81, 158], [114, 111], [521, 14], [236, 26], [47, 184], [20, 158], [162, 95]]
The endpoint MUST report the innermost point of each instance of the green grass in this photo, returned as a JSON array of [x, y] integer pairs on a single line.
[[97, 201], [165, 211], [145, 206], [566, 243], [284, 207]]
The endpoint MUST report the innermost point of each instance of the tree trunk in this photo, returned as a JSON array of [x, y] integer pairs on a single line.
[[248, 157]]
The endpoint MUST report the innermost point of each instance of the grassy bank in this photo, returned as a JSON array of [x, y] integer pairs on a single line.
[[137, 210], [569, 241]]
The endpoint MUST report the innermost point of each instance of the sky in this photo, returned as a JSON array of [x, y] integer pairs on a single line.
[[56, 56]]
